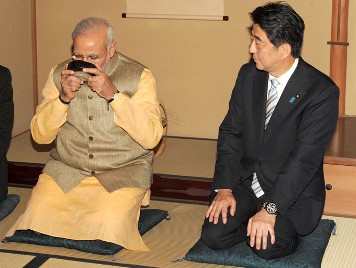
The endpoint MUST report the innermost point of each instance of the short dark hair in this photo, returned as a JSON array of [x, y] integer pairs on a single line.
[[281, 24]]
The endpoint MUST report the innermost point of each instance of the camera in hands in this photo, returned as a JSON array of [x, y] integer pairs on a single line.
[[77, 66]]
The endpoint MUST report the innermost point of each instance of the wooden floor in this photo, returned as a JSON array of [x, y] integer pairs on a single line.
[[183, 172], [186, 169]]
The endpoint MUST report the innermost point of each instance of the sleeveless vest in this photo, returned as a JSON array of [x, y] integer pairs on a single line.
[[91, 144]]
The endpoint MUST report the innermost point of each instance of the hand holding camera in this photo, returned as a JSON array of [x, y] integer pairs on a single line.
[[72, 79], [74, 76], [77, 66]]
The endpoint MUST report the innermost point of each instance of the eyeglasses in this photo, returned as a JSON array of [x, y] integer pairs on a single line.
[[92, 57]]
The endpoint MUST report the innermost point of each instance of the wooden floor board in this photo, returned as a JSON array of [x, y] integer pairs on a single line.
[[185, 170]]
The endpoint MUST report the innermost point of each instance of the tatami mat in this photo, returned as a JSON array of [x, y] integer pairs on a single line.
[[58, 263], [168, 241], [8, 260], [341, 251]]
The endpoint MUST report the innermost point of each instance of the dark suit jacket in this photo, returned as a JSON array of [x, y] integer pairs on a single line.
[[288, 155], [6, 123]]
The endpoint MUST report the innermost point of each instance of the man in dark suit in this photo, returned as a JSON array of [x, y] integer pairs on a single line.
[[269, 184], [6, 122]]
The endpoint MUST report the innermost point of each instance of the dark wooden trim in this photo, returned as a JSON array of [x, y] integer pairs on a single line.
[[128, 16], [168, 187], [24, 173], [191, 138], [338, 43], [174, 187]]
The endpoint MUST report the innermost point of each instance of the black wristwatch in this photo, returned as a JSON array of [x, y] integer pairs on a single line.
[[113, 97], [270, 207]]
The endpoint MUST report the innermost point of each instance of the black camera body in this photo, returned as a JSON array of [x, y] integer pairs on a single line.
[[78, 65]]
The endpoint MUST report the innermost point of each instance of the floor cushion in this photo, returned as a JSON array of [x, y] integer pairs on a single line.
[[309, 253], [8, 205], [148, 219]]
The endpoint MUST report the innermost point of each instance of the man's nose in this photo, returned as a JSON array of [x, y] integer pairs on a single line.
[[253, 47]]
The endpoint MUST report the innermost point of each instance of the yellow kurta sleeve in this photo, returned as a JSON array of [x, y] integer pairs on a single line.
[[139, 115], [50, 114]]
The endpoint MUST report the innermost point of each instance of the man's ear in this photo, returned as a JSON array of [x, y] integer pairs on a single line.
[[112, 49], [285, 49]]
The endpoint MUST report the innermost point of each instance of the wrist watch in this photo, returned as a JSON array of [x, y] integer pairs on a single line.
[[113, 97], [270, 207]]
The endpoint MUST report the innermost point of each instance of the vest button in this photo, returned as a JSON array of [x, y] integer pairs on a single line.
[[91, 156], [90, 97], [92, 172], [91, 138], [90, 117]]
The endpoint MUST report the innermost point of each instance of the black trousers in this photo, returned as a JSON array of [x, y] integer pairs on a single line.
[[222, 236]]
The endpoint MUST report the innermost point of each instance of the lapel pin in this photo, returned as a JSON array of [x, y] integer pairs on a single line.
[[292, 99]]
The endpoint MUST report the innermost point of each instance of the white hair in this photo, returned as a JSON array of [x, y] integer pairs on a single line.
[[94, 24]]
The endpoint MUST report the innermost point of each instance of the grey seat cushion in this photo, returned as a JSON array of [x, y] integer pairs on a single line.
[[309, 253], [8, 205], [148, 219]]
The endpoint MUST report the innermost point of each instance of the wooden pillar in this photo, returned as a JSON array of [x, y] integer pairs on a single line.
[[338, 49]]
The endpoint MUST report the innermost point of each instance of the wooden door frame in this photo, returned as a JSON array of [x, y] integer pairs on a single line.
[[338, 48]]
